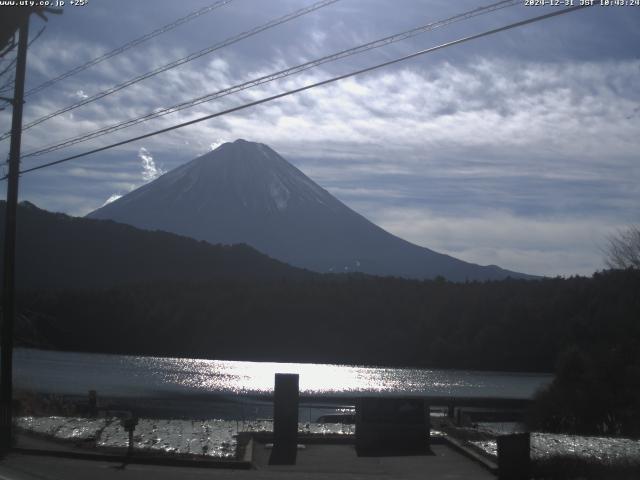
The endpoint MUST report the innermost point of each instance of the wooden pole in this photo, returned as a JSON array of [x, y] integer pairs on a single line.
[[8, 278]]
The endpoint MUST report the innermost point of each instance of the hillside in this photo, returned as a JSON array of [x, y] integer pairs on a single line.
[[58, 251]]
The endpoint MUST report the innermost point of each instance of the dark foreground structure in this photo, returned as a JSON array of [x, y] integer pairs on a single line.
[[392, 427], [393, 440], [325, 460]]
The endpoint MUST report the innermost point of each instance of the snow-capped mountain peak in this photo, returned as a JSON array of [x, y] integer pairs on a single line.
[[245, 192]]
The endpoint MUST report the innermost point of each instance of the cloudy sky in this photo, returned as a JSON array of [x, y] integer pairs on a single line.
[[520, 149]]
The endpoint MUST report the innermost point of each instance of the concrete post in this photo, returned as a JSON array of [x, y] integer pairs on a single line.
[[129, 425], [130, 449], [93, 403], [285, 419], [514, 456]]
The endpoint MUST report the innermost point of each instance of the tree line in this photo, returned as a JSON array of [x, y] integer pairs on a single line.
[[515, 325]]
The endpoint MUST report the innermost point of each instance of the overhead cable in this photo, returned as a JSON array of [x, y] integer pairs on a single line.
[[128, 45], [273, 76], [8, 84], [310, 86], [181, 61]]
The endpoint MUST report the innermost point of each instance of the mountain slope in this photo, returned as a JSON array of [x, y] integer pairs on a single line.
[[55, 250], [244, 192]]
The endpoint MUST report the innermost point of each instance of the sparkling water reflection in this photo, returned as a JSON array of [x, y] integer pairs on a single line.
[[122, 375]]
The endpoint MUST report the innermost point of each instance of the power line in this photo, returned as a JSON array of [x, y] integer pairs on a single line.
[[313, 85], [9, 66], [13, 61], [6, 86], [127, 46], [176, 63], [275, 76], [9, 83], [10, 46]]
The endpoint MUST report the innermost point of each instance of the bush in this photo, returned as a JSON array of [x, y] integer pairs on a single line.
[[593, 394]]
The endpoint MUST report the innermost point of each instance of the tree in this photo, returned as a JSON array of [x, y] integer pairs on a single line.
[[623, 249], [595, 392]]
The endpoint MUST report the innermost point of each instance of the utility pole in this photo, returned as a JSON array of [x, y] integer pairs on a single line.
[[8, 278]]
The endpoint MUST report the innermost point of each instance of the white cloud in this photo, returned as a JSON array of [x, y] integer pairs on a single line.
[[149, 169]]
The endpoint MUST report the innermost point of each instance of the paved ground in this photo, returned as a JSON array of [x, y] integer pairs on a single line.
[[341, 461], [315, 462]]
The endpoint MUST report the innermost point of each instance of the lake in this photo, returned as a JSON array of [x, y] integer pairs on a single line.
[[127, 376]]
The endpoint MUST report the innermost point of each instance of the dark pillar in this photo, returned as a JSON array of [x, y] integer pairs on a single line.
[[130, 449], [129, 425], [514, 456], [285, 419], [93, 403]]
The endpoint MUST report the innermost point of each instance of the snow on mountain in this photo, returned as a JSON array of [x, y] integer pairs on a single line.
[[244, 192]]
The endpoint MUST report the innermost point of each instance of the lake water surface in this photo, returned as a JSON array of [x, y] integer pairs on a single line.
[[124, 376]]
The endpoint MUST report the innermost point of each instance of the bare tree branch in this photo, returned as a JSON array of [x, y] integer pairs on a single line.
[[623, 249]]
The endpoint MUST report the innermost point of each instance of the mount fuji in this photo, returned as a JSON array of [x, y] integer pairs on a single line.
[[245, 192]]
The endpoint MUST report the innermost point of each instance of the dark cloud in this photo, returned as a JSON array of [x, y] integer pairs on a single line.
[[529, 129]]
